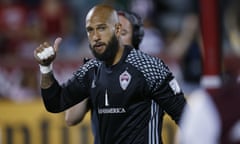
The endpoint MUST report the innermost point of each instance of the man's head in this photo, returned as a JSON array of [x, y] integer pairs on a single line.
[[132, 28], [103, 30]]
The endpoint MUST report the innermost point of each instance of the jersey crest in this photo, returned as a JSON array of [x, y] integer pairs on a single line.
[[124, 79]]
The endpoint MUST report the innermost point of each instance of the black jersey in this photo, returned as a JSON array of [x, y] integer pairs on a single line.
[[129, 98]]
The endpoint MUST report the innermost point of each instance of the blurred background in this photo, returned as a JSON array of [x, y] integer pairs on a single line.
[[172, 32]]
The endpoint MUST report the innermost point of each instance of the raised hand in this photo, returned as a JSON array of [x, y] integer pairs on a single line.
[[45, 53]]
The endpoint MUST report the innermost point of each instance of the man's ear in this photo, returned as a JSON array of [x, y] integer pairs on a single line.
[[118, 28]]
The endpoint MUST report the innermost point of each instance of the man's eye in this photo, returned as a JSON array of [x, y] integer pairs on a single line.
[[101, 28], [89, 30], [123, 32]]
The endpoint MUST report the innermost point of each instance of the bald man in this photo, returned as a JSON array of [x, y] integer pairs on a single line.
[[132, 33], [128, 89]]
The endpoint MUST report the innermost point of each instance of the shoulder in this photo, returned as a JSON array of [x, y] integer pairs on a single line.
[[146, 63], [153, 68], [88, 66], [137, 57]]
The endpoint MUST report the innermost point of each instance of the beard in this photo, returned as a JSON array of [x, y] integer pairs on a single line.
[[110, 52]]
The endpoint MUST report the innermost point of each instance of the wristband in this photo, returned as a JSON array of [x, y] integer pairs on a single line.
[[45, 69]]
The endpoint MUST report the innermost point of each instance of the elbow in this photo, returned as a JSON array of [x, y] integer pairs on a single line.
[[69, 123], [52, 106], [72, 122], [52, 109], [72, 119]]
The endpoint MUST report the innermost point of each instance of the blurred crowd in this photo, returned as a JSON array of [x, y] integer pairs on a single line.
[[172, 32]]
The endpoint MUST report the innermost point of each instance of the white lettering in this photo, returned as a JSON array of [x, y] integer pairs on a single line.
[[111, 110]]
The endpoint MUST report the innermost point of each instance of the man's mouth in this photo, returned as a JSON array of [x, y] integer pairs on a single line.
[[99, 47]]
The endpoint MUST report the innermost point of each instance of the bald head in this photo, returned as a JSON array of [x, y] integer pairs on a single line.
[[103, 30], [102, 13]]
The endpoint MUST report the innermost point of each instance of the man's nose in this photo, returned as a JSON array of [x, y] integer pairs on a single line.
[[96, 36]]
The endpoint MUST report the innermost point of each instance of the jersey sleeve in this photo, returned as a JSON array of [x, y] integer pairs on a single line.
[[167, 92], [170, 97], [163, 86], [58, 98]]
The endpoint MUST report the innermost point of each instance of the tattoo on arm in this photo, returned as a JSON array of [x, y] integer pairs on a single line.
[[47, 80]]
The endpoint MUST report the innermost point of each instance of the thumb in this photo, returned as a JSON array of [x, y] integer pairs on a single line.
[[57, 43]]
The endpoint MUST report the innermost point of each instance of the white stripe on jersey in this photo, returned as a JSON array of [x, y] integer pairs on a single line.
[[153, 133]]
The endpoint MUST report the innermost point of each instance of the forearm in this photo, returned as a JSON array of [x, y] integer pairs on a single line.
[[58, 98], [46, 80], [175, 106], [76, 113]]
